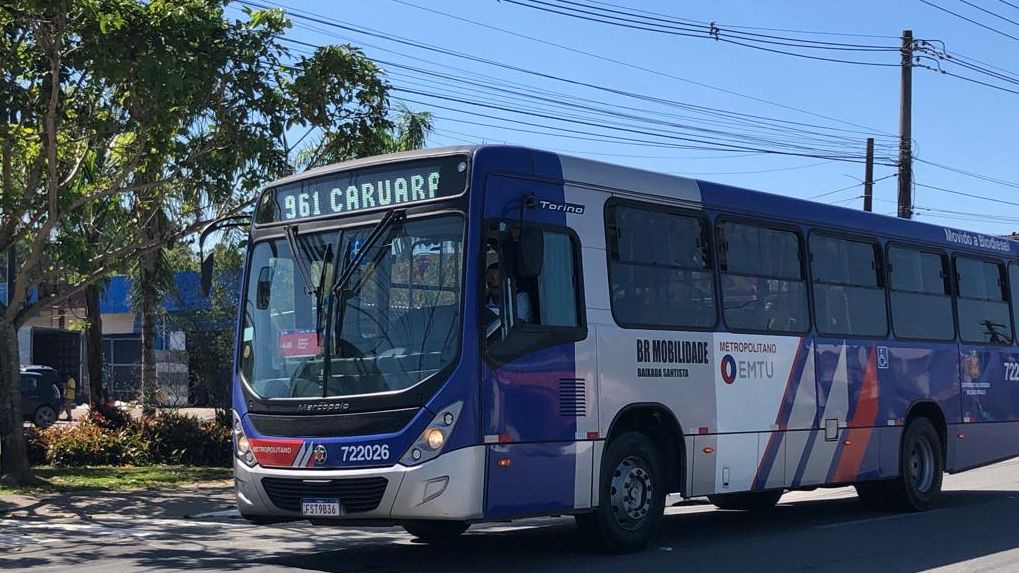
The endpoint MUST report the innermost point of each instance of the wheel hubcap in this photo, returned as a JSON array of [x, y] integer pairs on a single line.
[[921, 465], [44, 418], [630, 493]]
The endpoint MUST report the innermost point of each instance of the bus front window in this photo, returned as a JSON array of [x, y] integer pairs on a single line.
[[396, 323]]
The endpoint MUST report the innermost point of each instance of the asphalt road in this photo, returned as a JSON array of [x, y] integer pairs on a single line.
[[976, 528]]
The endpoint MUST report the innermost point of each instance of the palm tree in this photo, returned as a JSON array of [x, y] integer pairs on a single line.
[[408, 131]]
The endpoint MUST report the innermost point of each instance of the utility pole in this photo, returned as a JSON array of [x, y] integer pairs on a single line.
[[868, 178], [906, 129]]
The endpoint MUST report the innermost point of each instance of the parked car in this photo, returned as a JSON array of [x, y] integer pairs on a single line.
[[40, 395]]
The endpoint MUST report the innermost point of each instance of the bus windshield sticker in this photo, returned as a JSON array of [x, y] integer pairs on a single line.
[[355, 191], [298, 342]]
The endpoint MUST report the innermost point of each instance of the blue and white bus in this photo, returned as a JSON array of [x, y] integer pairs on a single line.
[[469, 334]]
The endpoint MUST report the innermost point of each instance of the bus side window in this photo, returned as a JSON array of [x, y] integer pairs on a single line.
[[982, 303], [550, 299], [849, 295], [557, 284]]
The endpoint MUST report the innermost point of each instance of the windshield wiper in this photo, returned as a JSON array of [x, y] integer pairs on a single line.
[[313, 290], [381, 227], [340, 283], [291, 232], [319, 291]]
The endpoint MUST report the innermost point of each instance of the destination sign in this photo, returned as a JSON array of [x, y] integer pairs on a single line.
[[378, 187]]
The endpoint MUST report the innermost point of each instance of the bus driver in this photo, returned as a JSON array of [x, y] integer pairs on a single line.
[[494, 300]]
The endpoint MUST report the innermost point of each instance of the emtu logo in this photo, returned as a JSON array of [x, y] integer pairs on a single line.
[[320, 454], [728, 367]]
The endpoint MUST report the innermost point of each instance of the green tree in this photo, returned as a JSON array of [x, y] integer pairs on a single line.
[[158, 115], [408, 131], [209, 330]]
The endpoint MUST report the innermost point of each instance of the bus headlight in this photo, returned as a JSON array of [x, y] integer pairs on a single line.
[[431, 441], [434, 439], [242, 449]]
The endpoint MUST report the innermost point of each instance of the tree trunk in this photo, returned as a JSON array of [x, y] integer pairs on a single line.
[[14, 467], [147, 286], [94, 335]]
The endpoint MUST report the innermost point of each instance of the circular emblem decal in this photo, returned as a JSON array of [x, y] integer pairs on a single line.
[[728, 367], [319, 454]]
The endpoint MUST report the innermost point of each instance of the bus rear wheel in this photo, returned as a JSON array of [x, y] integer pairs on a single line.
[[747, 501], [921, 469], [436, 531], [631, 497]]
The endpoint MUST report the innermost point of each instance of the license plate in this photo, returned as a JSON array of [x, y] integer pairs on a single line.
[[321, 508]]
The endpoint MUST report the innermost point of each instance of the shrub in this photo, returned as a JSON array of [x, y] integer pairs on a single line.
[[87, 445], [38, 443], [109, 417], [224, 418], [171, 438], [219, 444], [175, 438]]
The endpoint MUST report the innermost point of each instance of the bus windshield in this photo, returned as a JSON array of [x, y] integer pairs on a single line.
[[396, 322]]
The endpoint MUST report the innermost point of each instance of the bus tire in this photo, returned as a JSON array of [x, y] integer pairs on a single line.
[[631, 497], [747, 501], [921, 468], [436, 531]]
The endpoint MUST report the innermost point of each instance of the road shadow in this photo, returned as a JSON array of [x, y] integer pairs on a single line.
[[818, 535], [822, 535], [86, 504]]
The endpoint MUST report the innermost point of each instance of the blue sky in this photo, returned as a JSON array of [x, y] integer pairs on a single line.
[[955, 123]]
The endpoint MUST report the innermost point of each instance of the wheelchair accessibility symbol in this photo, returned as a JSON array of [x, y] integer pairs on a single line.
[[882, 357]]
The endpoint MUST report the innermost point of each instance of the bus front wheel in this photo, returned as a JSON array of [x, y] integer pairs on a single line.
[[631, 497], [435, 531]]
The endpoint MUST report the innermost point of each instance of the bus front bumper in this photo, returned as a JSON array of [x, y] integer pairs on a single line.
[[449, 487]]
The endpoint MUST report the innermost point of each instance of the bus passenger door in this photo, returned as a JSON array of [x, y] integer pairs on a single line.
[[534, 396]]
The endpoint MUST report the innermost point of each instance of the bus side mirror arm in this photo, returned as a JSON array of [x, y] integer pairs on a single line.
[[228, 222], [530, 248], [208, 263]]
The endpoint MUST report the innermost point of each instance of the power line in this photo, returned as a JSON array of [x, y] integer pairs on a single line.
[[870, 130], [713, 33], [420, 45], [475, 138], [707, 143], [825, 153], [754, 172], [970, 20], [964, 194], [978, 82], [853, 186], [809, 32], [972, 174], [573, 106], [986, 11]]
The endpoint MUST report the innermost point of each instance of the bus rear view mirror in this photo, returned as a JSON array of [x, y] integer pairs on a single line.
[[205, 284], [530, 252], [264, 288]]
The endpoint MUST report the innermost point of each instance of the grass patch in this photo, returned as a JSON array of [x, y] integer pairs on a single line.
[[118, 478]]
